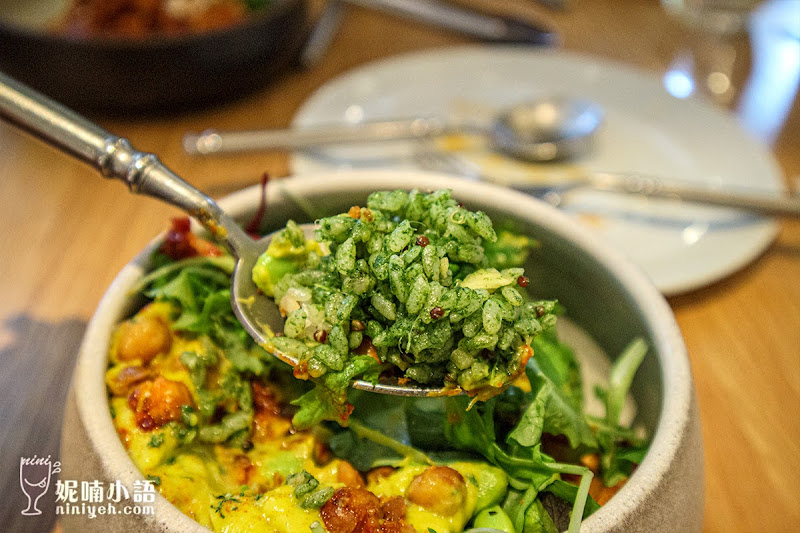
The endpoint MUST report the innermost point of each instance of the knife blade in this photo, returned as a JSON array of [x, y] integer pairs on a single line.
[[489, 27]]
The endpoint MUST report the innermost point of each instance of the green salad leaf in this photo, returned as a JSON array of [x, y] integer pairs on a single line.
[[618, 464], [328, 400]]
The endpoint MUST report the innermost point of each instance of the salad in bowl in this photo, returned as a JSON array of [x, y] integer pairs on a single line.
[[544, 422]]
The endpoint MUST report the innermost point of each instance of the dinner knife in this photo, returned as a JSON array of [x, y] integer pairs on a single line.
[[494, 28]]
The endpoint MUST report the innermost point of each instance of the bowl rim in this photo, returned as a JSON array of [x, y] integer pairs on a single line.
[[677, 386]]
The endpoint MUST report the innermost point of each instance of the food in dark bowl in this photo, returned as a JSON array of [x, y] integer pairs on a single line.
[[136, 71], [143, 18]]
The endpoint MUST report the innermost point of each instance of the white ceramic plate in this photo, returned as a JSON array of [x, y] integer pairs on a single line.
[[680, 246]]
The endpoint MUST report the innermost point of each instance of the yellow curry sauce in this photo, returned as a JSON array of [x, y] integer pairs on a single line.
[[244, 488]]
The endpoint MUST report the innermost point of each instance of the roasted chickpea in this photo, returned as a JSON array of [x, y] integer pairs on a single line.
[[143, 338], [158, 401], [120, 384], [350, 510], [345, 473], [379, 472], [353, 510], [394, 509], [439, 489]]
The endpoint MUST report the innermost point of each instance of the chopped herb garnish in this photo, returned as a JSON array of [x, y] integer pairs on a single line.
[[308, 491], [223, 499]]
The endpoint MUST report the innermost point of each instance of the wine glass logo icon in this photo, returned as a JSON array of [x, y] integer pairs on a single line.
[[34, 479]]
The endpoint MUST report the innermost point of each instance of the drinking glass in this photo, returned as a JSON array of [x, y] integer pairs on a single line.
[[706, 66]]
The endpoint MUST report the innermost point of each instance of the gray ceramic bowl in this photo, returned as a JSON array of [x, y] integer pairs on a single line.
[[604, 293]]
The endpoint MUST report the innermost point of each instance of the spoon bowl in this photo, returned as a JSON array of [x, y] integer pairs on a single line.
[[549, 129], [546, 129]]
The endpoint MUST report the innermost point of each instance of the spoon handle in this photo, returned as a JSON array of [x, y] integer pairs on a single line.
[[215, 142], [113, 156], [761, 202]]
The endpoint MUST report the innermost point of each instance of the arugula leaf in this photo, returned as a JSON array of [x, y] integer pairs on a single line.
[[633, 454], [616, 467], [569, 492], [516, 503], [366, 448], [362, 453], [328, 399], [164, 268], [622, 373], [318, 404], [179, 289], [527, 467], [558, 413], [528, 432], [556, 400], [199, 318], [537, 520], [472, 429], [558, 362]]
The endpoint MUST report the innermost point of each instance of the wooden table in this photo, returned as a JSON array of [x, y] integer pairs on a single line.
[[66, 232]]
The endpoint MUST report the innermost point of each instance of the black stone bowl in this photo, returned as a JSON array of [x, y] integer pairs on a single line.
[[156, 74]]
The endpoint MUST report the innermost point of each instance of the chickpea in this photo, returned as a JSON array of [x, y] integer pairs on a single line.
[[439, 489], [394, 509], [395, 527], [379, 472], [126, 378], [158, 401], [350, 510], [143, 338], [345, 473]]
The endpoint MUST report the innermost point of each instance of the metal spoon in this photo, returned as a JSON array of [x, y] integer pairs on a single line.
[[547, 129], [144, 174]]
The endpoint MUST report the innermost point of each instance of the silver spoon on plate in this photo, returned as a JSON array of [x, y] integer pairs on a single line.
[[546, 129], [144, 174]]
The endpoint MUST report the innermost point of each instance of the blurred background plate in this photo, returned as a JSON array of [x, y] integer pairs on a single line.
[[149, 74], [680, 246]]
